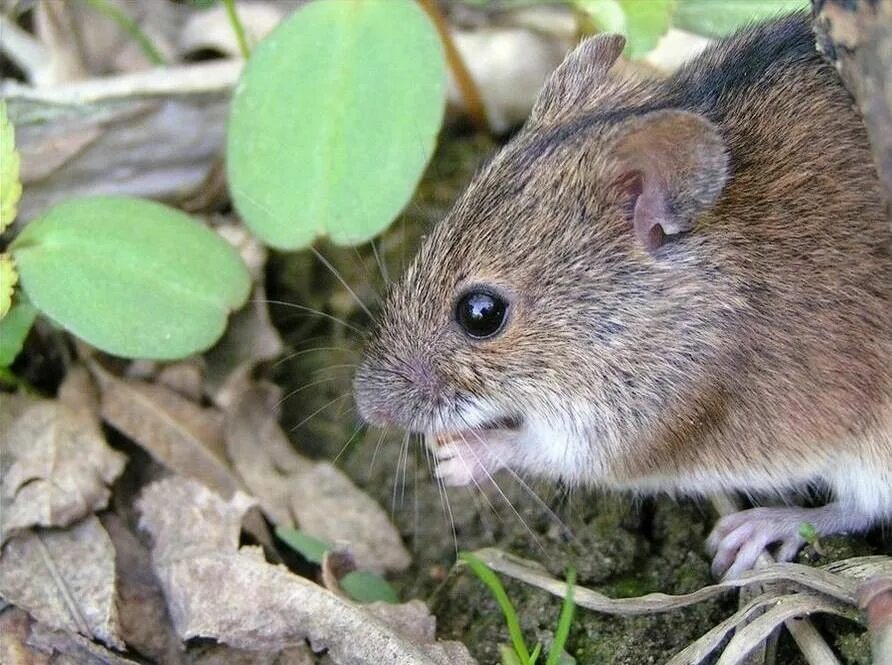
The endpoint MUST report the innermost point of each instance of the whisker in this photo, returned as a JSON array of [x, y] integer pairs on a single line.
[[381, 266], [317, 349], [347, 445], [318, 411], [360, 259], [311, 311], [375, 452], [399, 462], [337, 275], [304, 387]]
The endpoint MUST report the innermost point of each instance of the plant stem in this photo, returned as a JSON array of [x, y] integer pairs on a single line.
[[463, 80], [238, 28], [130, 26], [564, 622]]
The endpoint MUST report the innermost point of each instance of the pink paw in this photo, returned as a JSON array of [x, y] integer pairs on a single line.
[[739, 539], [461, 463]]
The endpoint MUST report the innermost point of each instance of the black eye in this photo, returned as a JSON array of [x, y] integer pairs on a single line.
[[481, 314]]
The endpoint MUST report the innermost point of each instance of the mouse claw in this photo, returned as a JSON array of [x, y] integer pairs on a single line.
[[738, 540]]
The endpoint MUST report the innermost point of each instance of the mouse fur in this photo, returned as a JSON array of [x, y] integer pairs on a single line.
[[698, 276]]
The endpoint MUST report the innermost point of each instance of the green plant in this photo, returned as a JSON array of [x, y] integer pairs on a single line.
[[131, 277], [363, 586], [334, 120], [519, 653], [643, 22]]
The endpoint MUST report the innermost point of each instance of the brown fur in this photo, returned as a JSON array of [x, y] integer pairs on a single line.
[[752, 352]]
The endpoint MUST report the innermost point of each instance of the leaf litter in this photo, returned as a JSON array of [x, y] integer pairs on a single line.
[[214, 588], [55, 465]]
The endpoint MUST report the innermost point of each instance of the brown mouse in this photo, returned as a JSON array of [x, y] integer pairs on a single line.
[[677, 286]]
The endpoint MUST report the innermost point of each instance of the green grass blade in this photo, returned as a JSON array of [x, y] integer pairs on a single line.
[[131, 27], [490, 579], [536, 653], [564, 622], [237, 28]]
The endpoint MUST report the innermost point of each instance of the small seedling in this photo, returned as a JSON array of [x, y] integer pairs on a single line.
[[809, 534], [363, 586], [518, 653]]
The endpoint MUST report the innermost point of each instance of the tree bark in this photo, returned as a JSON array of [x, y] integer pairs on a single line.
[[856, 36]]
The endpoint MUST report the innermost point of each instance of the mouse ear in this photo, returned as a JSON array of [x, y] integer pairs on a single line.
[[672, 165], [573, 85]]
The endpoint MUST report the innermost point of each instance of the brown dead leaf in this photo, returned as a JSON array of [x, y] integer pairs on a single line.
[[65, 579], [328, 505], [54, 468], [102, 45], [71, 649], [321, 498], [79, 392], [145, 626], [216, 589], [15, 626], [185, 377], [183, 436], [220, 654]]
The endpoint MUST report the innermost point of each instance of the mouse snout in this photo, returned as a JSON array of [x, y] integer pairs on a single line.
[[395, 394]]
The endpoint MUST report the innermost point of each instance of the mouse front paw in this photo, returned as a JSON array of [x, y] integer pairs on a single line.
[[739, 539], [460, 463]]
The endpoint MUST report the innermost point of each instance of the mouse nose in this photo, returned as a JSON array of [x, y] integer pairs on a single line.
[[389, 396]]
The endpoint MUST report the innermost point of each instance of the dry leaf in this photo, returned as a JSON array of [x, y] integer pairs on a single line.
[[54, 468], [220, 654], [250, 339], [104, 46], [144, 624], [214, 589], [15, 627], [79, 392], [329, 506], [71, 649], [185, 377], [324, 502], [181, 435], [65, 579]]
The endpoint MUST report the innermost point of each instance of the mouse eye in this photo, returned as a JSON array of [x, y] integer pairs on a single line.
[[481, 314]]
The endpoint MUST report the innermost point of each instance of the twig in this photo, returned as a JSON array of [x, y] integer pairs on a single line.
[[131, 27], [463, 79], [23, 49], [875, 597], [237, 28], [814, 648]]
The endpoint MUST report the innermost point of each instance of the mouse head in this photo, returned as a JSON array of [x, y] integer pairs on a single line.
[[533, 313]]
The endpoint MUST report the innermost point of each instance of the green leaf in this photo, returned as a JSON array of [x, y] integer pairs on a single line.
[[556, 655], [333, 121], [10, 185], [508, 656], [310, 548], [8, 278], [364, 586], [14, 329], [491, 580], [131, 277], [642, 23], [717, 19]]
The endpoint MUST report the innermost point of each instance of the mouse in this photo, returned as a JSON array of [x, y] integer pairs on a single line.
[[676, 285]]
